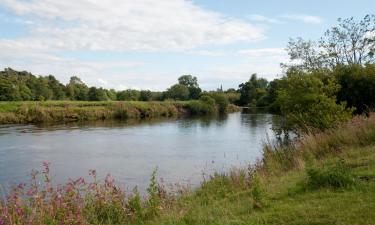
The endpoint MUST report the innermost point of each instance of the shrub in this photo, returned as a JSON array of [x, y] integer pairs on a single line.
[[221, 101], [337, 175], [257, 191]]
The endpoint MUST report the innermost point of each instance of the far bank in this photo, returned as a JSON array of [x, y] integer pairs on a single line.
[[65, 111]]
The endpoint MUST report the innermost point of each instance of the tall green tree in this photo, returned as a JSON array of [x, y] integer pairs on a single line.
[[192, 83]]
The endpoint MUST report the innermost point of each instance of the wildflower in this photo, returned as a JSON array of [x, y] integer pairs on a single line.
[[92, 173], [30, 192], [109, 180], [21, 186], [19, 211]]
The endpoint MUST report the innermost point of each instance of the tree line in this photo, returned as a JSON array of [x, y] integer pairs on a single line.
[[24, 86]]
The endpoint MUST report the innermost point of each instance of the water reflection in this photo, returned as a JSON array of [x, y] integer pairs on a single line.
[[181, 148]]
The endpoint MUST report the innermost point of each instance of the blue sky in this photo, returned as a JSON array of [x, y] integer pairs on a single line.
[[148, 44]]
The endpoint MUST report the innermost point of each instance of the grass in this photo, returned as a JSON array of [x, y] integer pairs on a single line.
[[60, 111], [325, 178]]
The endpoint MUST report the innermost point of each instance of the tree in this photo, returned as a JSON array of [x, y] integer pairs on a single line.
[[97, 94], [192, 84], [221, 101], [77, 89], [252, 90], [178, 92], [350, 42], [128, 95], [307, 102], [57, 88], [188, 80], [145, 95], [357, 86]]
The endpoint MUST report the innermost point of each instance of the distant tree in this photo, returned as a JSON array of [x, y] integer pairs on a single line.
[[8, 91], [192, 83], [145, 95], [188, 80], [97, 94], [112, 94], [128, 95], [178, 92], [77, 89], [221, 101], [57, 88], [252, 90], [233, 96]]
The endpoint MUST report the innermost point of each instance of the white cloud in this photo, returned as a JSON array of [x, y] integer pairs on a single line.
[[303, 18], [283, 18], [261, 18], [127, 25], [263, 52]]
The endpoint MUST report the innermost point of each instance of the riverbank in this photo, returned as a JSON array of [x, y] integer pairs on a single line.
[[325, 178], [63, 111]]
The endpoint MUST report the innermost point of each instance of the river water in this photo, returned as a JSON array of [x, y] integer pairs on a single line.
[[182, 150]]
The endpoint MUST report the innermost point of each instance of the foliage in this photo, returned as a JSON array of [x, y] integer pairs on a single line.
[[357, 86], [145, 95], [178, 92], [337, 175], [307, 102], [97, 94], [252, 91], [221, 101], [351, 42], [62, 111]]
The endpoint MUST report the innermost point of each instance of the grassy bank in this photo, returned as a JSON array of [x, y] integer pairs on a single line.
[[59, 111], [325, 178]]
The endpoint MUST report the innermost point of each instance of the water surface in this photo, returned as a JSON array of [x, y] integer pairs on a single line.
[[181, 149]]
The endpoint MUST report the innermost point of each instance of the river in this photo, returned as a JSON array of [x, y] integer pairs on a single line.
[[182, 150]]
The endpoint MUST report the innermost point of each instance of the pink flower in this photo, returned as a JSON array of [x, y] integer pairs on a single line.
[[30, 192], [92, 173], [109, 180], [19, 211], [21, 185]]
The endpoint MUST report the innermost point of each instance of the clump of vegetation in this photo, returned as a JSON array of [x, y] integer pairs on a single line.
[[77, 202], [257, 191], [59, 111], [336, 175]]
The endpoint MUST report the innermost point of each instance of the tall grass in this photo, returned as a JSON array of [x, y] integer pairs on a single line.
[[315, 146], [60, 111]]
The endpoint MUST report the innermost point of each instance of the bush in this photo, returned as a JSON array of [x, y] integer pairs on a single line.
[[337, 175], [309, 103], [221, 101]]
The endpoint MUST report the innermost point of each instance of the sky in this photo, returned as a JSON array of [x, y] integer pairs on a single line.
[[148, 44]]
